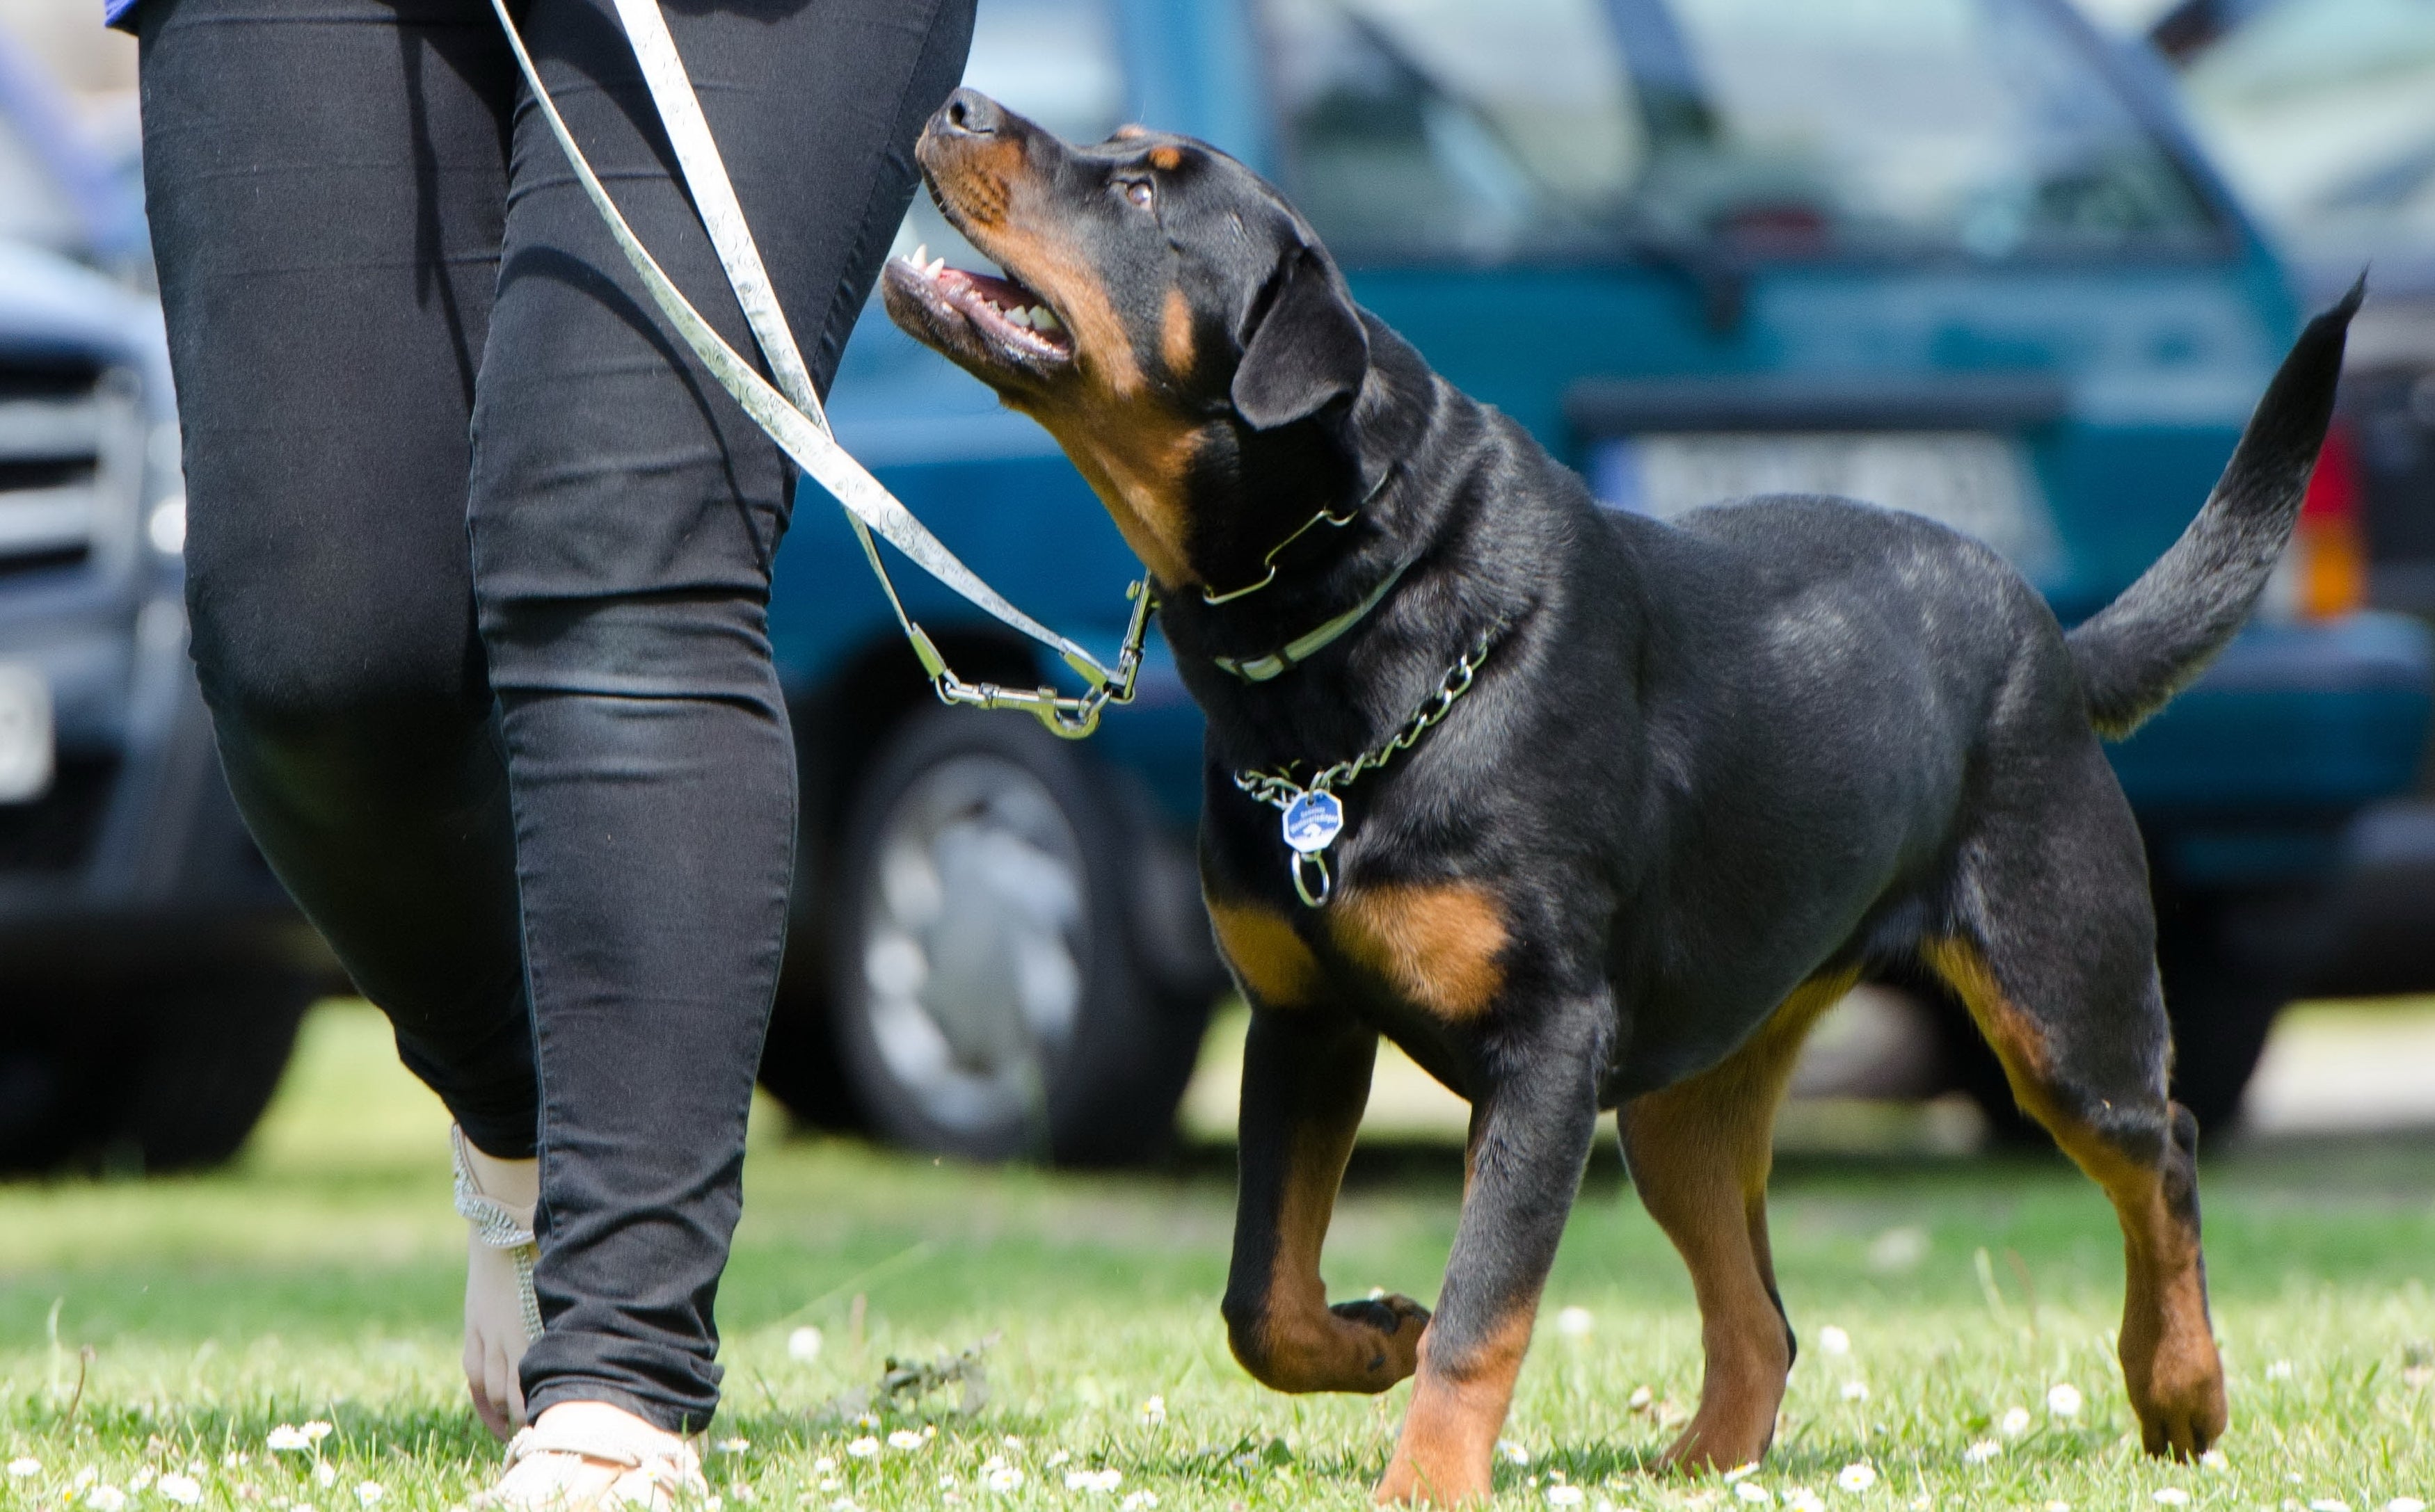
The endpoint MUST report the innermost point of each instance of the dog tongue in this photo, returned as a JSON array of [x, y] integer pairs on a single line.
[[1004, 293]]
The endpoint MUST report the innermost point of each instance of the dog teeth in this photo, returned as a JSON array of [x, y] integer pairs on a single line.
[[1021, 317], [921, 257], [1042, 318], [935, 269]]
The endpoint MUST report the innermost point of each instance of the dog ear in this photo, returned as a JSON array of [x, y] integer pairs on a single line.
[[1304, 346]]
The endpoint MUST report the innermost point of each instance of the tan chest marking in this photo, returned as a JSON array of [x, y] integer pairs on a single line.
[[1270, 959], [1437, 944]]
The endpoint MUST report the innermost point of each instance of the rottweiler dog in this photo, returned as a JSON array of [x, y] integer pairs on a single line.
[[1586, 811]]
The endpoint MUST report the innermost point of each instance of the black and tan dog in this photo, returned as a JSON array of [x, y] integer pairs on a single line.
[[1706, 775]]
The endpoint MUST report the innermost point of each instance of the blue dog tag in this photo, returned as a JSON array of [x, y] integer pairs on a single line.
[[1313, 821]]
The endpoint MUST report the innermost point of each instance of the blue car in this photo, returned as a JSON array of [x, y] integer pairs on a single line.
[[1952, 256]]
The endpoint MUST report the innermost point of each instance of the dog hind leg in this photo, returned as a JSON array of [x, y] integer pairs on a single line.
[[1700, 1153], [2061, 978]]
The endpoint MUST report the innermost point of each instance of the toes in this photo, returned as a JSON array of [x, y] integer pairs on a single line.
[[1389, 1315]]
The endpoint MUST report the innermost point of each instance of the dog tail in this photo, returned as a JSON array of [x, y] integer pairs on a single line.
[[2146, 645]]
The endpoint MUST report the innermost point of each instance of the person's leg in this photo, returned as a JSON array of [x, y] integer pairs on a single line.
[[326, 186], [624, 515]]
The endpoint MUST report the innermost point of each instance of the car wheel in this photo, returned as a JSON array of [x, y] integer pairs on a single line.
[[995, 991], [161, 1076]]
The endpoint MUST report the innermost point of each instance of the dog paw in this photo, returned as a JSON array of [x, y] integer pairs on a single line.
[[1398, 1322], [1410, 1483], [2184, 1424]]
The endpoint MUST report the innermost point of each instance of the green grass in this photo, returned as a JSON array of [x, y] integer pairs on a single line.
[[320, 1281]]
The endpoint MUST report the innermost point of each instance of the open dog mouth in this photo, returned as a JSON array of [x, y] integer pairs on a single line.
[[1008, 320]]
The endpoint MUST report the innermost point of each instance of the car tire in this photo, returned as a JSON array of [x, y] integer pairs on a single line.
[[995, 976], [150, 1077]]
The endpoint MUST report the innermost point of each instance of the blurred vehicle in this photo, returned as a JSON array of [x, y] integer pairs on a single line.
[[1951, 256], [1955, 256], [151, 974], [2322, 114]]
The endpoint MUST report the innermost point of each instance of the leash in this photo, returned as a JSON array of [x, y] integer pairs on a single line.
[[794, 417], [1313, 815]]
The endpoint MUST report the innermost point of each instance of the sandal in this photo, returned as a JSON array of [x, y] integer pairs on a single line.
[[502, 1315], [589, 1456]]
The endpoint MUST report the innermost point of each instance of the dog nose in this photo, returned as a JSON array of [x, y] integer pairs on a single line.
[[970, 113]]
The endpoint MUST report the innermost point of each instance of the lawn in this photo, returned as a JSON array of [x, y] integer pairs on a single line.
[[152, 1335]]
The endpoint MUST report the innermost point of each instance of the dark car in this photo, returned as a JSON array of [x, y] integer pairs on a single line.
[[151, 973]]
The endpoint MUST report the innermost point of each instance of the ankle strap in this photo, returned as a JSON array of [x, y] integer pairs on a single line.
[[494, 1223]]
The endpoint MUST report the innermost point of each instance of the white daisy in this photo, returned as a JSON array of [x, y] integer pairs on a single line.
[[864, 1448], [106, 1499], [1002, 1478], [803, 1345], [2062, 1399], [1576, 1323], [25, 1467], [1855, 1391], [183, 1489], [1858, 1476], [2015, 1422], [1982, 1451], [1139, 1500], [1832, 1340], [1753, 1493], [1564, 1496], [288, 1440], [2172, 1496], [1514, 1452], [1153, 1412], [905, 1438], [1101, 1481], [370, 1493]]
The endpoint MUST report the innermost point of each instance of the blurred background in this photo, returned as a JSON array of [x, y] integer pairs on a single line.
[[2010, 263]]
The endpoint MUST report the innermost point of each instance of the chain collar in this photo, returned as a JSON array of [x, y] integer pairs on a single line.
[[1313, 815]]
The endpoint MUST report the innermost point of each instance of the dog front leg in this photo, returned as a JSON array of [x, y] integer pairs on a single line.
[[1306, 1081], [1530, 1135]]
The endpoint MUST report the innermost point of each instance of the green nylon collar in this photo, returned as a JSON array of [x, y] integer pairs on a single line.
[[1294, 653]]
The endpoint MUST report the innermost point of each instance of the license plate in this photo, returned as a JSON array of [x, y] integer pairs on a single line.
[[25, 738], [1977, 483]]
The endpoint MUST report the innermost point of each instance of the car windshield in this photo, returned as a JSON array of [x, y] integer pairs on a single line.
[[2323, 114], [1489, 129]]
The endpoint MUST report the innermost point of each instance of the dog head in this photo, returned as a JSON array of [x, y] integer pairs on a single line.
[[1163, 313]]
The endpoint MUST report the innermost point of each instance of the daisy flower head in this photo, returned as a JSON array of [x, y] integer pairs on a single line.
[[864, 1448], [1101, 1481], [1002, 1477], [905, 1438], [1564, 1496], [1832, 1340], [1856, 1476], [2015, 1422], [1755, 1494], [106, 1497], [803, 1345], [288, 1440], [1153, 1412], [325, 1473], [2404, 1504], [2171, 1495], [1512, 1452], [1576, 1323], [1982, 1451], [370, 1492], [25, 1467], [183, 1489], [1855, 1391], [1139, 1500], [1801, 1499], [2064, 1400]]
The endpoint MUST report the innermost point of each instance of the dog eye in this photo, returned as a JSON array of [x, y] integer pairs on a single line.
[[1140, 193]]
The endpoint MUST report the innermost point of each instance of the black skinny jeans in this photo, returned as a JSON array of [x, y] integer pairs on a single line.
[[478, 560]]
